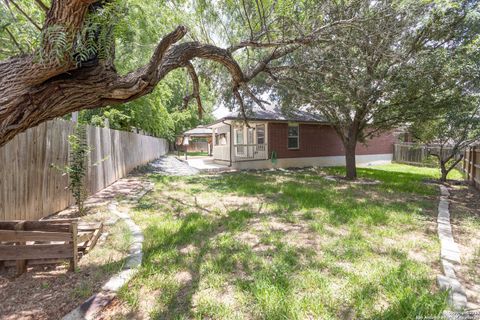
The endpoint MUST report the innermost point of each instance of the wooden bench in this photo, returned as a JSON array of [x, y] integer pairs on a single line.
[[27, 243]]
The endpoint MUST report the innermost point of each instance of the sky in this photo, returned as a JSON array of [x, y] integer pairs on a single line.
[[220, 111]]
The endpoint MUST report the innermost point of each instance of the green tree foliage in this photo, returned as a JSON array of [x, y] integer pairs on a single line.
[[455, 122], [137, 27], [448, 133], [371, 76], [162, 113]]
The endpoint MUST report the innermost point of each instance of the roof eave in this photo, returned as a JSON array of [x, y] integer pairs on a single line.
[[270, 120]]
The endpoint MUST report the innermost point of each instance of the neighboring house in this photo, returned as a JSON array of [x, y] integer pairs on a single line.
[[274, 139], [198, 139]]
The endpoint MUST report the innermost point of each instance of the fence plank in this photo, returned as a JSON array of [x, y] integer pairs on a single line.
[[24, 236], [471, 165], [415, 154], [30, 188], [38, 251]]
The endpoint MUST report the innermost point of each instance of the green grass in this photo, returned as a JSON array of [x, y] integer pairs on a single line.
[[289, 245], [193, 154]]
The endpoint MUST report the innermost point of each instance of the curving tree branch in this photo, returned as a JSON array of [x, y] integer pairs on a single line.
[[196, 89], [35, 91], [42, 5]]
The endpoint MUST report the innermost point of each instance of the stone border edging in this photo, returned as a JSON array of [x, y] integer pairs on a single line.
[[449, 255], [94, 305]]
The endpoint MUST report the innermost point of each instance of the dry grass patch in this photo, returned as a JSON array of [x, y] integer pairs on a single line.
[[465, 214], [289, 245]]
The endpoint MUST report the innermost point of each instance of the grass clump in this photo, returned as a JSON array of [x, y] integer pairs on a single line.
[[289, 245]]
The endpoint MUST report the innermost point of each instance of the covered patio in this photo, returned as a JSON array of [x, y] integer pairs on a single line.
[[196, 140]]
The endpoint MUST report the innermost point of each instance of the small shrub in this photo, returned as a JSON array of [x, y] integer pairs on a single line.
[[77, 167]]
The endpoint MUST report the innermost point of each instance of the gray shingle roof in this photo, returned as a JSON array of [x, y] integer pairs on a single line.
[[198, 131], [274, 113]]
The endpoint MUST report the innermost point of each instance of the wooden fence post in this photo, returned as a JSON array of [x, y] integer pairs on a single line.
[[74, 260], [465, 162], [475, 164], [21, 265]]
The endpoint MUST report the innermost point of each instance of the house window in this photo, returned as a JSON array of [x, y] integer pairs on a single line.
[[250, 133], [220, 139], [293, 135], [239, 148], [239, 136], [261, 134]]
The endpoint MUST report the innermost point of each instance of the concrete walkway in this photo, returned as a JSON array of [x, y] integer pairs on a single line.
[[132, 189], [449, 256], [206, 164], [170, 165]]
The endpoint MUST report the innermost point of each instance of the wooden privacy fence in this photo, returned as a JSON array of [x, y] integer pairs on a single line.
[[30, 188], [415, 154], [409, 153], [471, 165]]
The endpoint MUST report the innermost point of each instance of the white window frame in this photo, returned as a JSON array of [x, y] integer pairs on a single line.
[[290, 137], [251, 134], [239, 150], [264, 133], [236, 131]]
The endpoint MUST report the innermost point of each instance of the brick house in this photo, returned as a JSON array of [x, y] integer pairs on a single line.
[[275, 139]]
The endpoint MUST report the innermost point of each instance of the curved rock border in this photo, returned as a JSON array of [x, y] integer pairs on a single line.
[[449, 255], [94, 305]]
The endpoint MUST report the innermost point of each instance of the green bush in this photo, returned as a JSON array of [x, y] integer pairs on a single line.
[[77, 166]]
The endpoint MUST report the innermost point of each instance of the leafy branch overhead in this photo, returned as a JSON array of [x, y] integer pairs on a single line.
[[72, 67]]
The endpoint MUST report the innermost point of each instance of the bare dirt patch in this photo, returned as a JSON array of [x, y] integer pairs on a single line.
[[50, 292], [118, 309], [465, 215]]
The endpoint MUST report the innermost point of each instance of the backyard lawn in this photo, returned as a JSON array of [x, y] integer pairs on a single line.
[[289, 245]]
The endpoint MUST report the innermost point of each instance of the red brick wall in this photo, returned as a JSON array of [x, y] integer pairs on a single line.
[[321, 140]]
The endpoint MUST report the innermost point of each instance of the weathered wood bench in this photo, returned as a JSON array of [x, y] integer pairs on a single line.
[[28, 243]]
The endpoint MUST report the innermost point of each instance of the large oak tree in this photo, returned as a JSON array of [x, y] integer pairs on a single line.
[[368, 78], [72, 66]]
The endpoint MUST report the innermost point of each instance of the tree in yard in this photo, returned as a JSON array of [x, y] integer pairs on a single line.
[[72, 64], [456, 122], [448, 134], [364, 77]]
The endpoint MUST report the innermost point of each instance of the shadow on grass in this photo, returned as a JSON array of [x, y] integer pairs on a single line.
[[280, 281]]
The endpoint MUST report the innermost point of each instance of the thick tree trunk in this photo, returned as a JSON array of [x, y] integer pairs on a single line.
[[33, 91], [350, 160], [26, 102]]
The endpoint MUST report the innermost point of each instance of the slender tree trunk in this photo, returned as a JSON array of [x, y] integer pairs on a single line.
[[444, 171], [350, 160]]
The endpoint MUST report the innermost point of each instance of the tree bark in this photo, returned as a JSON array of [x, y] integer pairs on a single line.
[[33, 91], [443, 170], [350, 160], [349, 136]]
